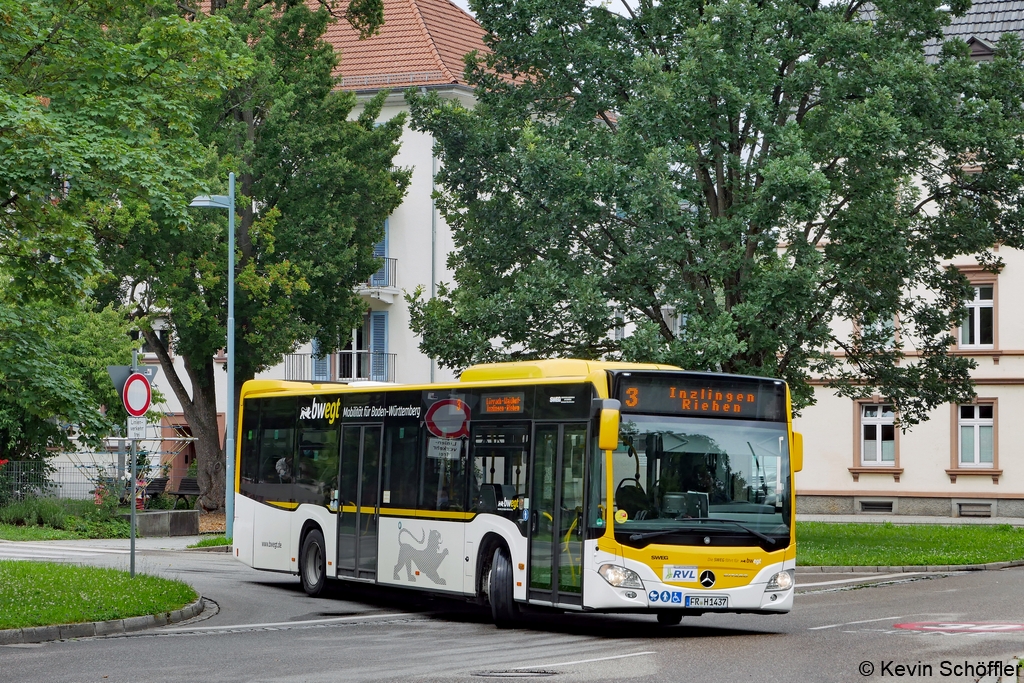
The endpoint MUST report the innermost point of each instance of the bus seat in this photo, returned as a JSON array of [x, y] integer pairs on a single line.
[[629, 496], [488, 501]]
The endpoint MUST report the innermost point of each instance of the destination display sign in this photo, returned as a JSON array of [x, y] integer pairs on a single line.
[[702, 395], [502, 404]]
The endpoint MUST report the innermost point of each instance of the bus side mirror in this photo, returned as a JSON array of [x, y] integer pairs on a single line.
[[797, 456], [608, 424]]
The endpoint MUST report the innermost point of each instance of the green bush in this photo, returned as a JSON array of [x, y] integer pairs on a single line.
[[20, 513], [160, 502], [51, 513], [82, 517]]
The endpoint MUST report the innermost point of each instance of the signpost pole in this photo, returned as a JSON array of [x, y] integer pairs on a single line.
[[229, 409], [131, 499], [133, 383]]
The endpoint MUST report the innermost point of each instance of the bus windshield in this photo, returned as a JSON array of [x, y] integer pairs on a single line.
[[680, 481]]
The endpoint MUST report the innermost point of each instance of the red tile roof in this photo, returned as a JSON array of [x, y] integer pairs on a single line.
[[422, 42]]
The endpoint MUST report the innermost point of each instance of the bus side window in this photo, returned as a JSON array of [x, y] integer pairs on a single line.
[[277, 443], [401, 464], [250, 442], [318, 462], [597, 504], [444, 479]]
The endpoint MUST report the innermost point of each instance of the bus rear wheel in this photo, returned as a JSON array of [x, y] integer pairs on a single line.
[[504, 609], [669, 618], [311, 563]]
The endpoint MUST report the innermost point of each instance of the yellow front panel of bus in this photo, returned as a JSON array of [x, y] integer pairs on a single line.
[[733, 566]]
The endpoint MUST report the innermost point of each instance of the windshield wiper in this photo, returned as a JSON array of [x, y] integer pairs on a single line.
[[664, 532]]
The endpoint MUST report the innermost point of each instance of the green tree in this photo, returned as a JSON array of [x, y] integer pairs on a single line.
[[313, 191], [731, 177], [95, 109]]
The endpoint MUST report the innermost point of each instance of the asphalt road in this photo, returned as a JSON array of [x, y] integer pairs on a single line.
[[264, 628]]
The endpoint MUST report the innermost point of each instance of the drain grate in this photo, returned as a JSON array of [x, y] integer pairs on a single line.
[[515, 673]]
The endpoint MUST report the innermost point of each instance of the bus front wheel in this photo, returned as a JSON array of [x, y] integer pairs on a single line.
[[311, 563], [503, 605]]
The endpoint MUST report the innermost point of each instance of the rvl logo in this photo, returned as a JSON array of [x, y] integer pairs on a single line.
[[679, 573]]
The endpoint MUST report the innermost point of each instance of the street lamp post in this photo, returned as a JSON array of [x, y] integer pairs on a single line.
[[219, 201]]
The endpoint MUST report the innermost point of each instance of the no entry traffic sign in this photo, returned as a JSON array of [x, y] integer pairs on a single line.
[[137, 394]]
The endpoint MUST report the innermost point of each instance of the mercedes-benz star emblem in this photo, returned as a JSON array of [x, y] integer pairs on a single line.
[[707, 578]]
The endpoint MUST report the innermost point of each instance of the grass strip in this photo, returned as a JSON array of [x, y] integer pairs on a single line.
[[864, 544], [10, 532], [47, 593], [211, 541]]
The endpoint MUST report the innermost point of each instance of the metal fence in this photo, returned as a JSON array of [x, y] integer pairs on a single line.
[[20, 480]]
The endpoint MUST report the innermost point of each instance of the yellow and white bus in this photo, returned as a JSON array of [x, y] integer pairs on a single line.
[[564, 484]]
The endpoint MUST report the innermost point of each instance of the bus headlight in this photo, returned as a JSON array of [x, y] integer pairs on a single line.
[[620, 577], [782, 581]]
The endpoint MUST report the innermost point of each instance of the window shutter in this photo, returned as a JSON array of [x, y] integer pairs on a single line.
[[380, 250], [321, 366], [379, 346]]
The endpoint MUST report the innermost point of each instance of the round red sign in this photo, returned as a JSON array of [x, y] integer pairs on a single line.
[[448, 418], [136, 395]]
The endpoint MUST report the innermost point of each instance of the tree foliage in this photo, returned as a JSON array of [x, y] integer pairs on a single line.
[[312, 194], [757, 187], [95, 108]]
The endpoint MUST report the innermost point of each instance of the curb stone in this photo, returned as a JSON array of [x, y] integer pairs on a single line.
[[42, 634], [911, 568]]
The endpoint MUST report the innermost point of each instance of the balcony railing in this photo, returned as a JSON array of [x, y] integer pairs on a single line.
[[386, 276], [349, 366], [366, 365], [298, 367]]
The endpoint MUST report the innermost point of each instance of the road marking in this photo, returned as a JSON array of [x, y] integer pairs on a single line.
[[18, 546], [865, 577], [963, 627], [585, 661], [865, 621], [282, 624]]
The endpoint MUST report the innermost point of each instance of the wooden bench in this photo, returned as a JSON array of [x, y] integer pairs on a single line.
[[187, 487]]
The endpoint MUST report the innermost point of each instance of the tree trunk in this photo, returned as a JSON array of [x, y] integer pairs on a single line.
[[200, 411]]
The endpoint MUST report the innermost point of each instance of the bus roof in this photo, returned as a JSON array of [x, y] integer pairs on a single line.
[[549, 369], [552, 369]]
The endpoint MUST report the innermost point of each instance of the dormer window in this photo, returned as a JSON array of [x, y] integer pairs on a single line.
[[981, 50]]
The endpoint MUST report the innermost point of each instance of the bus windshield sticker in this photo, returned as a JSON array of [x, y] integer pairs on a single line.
[[444, 449]]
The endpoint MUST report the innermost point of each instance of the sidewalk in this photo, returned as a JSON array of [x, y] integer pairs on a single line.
[[908, 519]]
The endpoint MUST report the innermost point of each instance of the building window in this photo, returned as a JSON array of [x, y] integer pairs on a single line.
[[977, 435], [883, 330], [878, 434], [978, 329]]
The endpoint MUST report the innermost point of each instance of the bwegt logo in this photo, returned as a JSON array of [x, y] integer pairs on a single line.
[[320, 411]]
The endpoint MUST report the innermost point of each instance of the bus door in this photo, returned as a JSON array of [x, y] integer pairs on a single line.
[[359, 507], [499, 456], [556, 513]]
